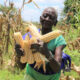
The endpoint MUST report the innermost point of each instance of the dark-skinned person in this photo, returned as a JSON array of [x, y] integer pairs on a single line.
[[53, 51]]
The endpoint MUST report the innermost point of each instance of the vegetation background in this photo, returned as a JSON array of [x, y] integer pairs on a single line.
[[11, 21]]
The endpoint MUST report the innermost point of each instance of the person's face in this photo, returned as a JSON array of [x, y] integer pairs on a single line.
[[47, 19]]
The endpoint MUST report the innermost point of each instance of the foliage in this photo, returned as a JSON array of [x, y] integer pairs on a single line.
[[10, 22], [72, 11], [5, 9], [75, 57]]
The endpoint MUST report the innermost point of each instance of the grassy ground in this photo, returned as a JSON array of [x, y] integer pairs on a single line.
[[8, 75]]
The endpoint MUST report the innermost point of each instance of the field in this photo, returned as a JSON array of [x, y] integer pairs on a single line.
[[7, 72], [11, 21]]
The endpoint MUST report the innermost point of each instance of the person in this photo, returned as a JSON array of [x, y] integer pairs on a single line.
[[52, 50]]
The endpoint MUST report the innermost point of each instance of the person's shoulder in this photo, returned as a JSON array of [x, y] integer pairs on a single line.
[[60, 41], [60, 37], [57, 38]]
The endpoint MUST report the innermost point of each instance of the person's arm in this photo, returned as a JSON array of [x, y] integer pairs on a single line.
[[55, 62], [58, 53]]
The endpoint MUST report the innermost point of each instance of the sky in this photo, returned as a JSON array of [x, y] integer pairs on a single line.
[[31, 13]]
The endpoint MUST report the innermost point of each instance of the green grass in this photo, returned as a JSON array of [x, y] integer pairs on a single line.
[[8, 75], [72, 73], [75, 57]]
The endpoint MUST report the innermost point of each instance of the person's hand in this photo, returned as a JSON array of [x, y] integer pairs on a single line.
[[40, 47], [19, 50], [43, 49]]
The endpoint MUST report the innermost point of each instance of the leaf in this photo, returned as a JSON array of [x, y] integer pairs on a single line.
[[76, 68], [33, 2], [36, 5], [28, 1]]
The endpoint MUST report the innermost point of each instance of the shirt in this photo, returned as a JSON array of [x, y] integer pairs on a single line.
[[40, 76]]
